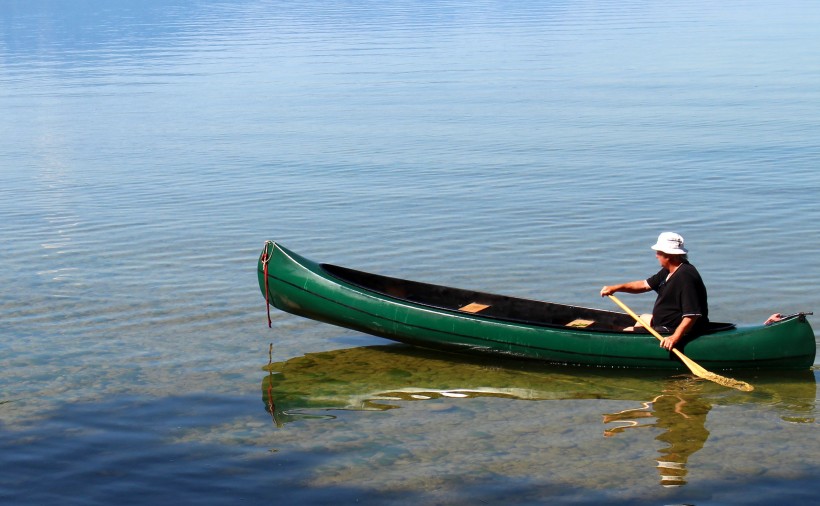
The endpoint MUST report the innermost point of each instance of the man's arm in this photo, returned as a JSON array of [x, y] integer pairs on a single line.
[[639, 286]]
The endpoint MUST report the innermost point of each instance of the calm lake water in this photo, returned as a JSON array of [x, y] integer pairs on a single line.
[[148, 149]]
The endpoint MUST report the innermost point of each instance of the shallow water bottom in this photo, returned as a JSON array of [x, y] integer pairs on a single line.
[[417, 428]]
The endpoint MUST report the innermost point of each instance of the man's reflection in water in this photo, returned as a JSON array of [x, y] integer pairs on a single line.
[[681, 413]]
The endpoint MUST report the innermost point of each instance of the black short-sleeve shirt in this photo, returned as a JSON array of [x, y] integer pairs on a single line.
[[684, 294]]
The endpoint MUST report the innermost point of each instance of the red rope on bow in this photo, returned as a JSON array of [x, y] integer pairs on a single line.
[[267, 292]]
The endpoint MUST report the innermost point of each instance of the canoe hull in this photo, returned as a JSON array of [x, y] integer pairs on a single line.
[[300, 286]]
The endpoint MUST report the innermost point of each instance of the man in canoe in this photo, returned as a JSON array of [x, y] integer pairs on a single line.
[[681, 306]]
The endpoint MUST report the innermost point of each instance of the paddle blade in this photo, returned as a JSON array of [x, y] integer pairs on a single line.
[[700, 372]]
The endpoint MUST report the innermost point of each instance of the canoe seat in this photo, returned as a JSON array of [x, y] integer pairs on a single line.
[[473, 307]]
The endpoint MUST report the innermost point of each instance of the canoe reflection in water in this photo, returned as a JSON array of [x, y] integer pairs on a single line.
[[385, 377], [681, 413]]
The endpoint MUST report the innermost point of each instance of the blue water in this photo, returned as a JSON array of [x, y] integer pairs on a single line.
[[148, 149]]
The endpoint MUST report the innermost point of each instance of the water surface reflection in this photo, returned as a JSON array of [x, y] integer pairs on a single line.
[[680, 411], [672, 410]]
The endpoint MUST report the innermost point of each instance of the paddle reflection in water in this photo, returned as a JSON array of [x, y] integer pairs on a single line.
[[673, 410]]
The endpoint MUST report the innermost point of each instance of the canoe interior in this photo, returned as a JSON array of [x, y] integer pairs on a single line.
[[486, 305]]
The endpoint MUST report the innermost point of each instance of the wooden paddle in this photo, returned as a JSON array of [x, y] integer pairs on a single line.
[[693, 366]]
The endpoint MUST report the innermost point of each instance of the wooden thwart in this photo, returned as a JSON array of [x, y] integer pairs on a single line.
[[473, 307], [580, 323]]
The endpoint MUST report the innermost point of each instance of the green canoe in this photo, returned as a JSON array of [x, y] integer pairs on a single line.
[[440, 317]]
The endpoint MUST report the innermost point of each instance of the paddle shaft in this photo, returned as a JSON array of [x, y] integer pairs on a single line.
[[646, 325], [637, 318], [693, 366]]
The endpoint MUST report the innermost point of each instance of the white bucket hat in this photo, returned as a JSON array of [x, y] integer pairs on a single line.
[[670, 243]]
